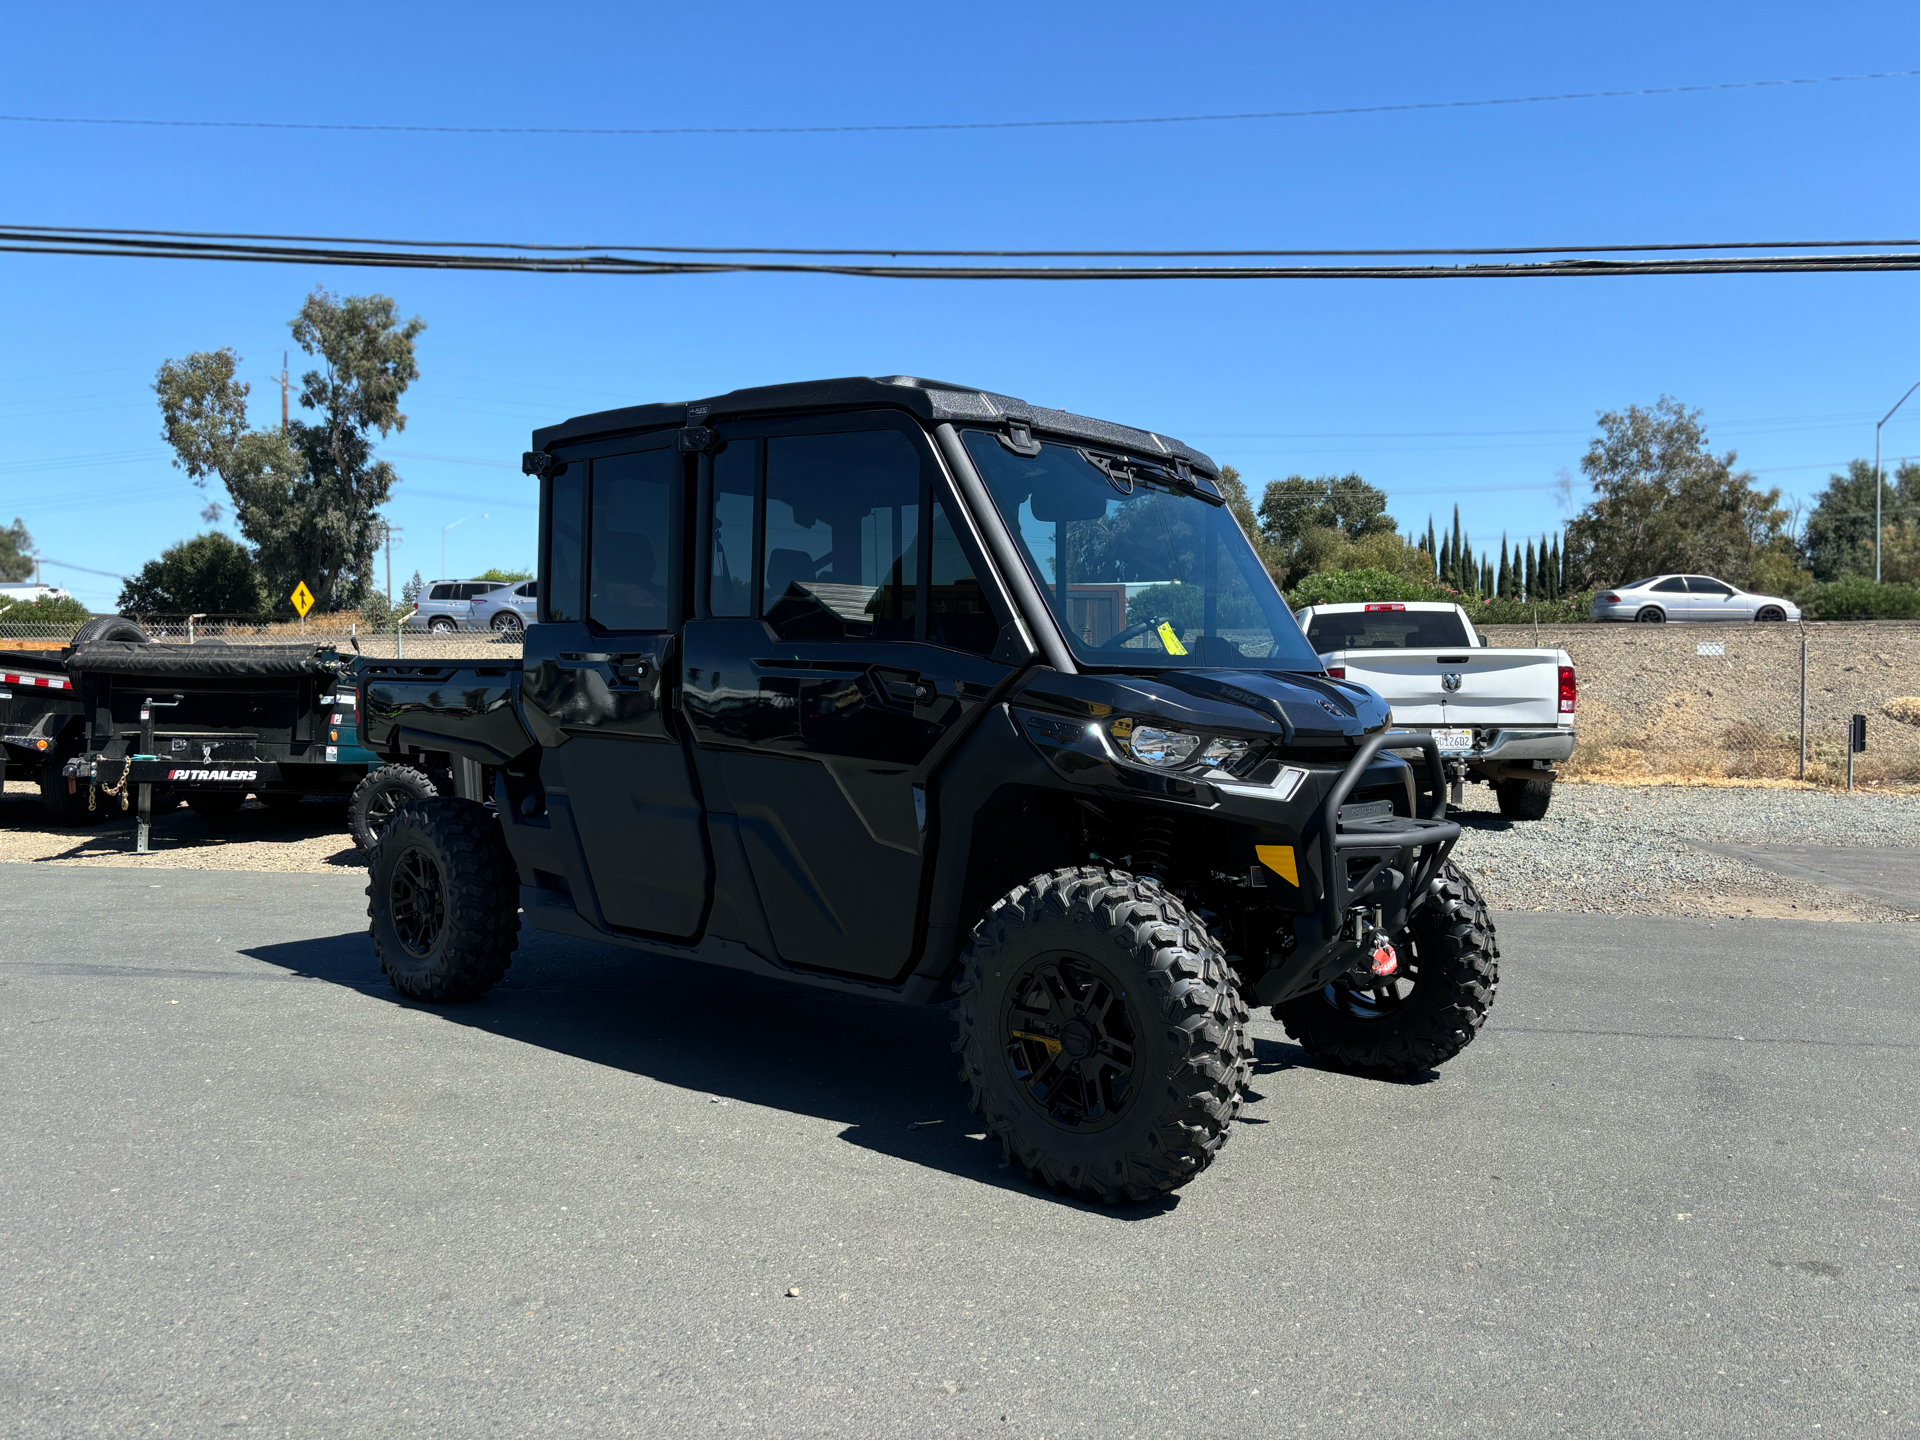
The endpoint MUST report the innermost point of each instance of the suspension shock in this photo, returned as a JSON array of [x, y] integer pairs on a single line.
[[1154, 846]]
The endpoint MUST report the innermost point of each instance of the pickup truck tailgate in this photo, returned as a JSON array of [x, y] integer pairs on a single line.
[[1493, 687]]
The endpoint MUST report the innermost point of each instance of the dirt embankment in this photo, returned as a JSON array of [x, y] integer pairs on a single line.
[[1715, 701]]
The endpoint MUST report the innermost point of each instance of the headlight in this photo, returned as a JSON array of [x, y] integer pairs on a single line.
[[1222, 752], [1152, 746]]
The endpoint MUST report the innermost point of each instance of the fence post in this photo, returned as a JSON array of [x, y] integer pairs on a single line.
[[1804, 703]]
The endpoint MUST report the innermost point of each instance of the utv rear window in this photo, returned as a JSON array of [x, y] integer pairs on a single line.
[[1386, 630], [565, 527], [634, 552]]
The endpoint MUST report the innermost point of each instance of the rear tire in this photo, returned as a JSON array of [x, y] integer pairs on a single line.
[[376, 798], [443, 901], [1651, 615], [215, 804], [1101, 1035], [440, 625], [1524, 800], [507, 622], [1449, 944]]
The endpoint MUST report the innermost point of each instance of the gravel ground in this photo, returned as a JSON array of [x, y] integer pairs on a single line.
[[1620, 850], [1624, 850], [311, 838]]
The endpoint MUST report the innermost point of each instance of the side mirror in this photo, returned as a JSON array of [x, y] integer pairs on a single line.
[[1480, 639]]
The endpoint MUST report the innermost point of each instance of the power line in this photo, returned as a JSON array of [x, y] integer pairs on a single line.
[[542, 247], [288, 250], [952, 124]]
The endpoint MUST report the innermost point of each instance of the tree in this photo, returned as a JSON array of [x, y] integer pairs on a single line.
[[306, 494], [1308, 524], [16, 552], [410, 592], [1838, 539], [507, 575], [1666, 502], [211, 574]]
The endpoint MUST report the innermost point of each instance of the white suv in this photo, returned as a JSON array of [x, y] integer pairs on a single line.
[[448, 605]]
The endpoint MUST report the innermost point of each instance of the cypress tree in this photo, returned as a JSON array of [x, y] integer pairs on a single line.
[[1530, 582], [1460, 575], [1487, 577], [1433, 555], [1560, 569]]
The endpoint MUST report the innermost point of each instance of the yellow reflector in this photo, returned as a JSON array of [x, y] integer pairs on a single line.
[[1280, 860]]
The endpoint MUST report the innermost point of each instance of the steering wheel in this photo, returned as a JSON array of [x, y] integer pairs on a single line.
[[1116, 641]]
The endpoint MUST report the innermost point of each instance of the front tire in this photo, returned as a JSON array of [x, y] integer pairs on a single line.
[[1524, 799], [443, 901], [376, 798], [1770, 613], [1448, 952], [1101, 1035]]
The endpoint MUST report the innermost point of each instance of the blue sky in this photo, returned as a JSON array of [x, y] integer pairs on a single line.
[[1481, 392]]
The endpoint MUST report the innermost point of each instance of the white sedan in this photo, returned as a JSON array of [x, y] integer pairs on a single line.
[[1688, 597]]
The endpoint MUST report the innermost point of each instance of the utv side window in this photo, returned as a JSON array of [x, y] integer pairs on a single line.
[[634, 551], [957, 611], [730, 587], [565, 516], [842, 521]]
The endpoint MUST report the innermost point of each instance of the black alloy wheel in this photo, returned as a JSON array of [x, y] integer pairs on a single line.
[[1070, 1040], [1770, 612], [417, 901], [1652, 615]]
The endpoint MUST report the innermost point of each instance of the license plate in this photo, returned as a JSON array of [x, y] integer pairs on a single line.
[[1454, 741]]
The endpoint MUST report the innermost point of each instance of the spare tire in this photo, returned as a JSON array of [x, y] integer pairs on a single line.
[[377, 797], [110, 627]]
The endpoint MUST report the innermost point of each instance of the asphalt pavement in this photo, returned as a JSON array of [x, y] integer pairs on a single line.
[[245, 1190]]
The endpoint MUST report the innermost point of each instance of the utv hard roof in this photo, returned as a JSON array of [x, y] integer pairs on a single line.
[[931, 400]]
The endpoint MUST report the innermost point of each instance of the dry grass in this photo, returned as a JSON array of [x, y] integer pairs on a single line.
[[1690, 750], [1906, 709]]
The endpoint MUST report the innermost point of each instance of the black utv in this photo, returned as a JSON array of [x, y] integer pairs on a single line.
[[913, 690]]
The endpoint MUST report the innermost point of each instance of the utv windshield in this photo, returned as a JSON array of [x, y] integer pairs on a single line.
[[1138, 572]]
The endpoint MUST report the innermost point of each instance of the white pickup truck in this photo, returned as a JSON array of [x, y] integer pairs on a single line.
[[1501, 716]]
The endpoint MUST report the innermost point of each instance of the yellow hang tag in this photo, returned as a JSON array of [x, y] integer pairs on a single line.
[[1171, 641]]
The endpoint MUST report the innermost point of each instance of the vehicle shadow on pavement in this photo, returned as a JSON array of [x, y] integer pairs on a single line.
[[885, 1072], [1273, 1057]]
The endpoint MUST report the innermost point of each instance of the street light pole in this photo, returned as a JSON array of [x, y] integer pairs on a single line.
[[1877, 473], [465, 518]]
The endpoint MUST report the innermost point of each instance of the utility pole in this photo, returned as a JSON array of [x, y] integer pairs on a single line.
[[283, 390], [1877, 474]]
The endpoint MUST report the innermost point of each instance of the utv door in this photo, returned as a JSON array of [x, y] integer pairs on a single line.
[[843, 631], [599, 679]]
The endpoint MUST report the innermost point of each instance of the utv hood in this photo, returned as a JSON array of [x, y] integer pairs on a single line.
[[1307, 707]]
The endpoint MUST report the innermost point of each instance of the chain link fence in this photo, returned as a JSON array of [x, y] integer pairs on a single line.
[[1707, 702], [341, 633]]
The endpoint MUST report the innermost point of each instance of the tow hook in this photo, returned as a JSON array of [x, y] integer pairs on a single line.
[[1384, 960]]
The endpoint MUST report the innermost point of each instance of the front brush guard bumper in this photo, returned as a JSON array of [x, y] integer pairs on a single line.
[[1403, 854]]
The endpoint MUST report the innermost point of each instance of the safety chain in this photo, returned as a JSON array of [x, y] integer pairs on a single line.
[[119, 788]]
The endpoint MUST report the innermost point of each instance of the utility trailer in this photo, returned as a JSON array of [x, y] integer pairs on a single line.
[[211, 724]]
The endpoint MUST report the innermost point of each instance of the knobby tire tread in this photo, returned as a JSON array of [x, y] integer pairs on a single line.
[[1460, 974], [481, 891], [1181, 1119]]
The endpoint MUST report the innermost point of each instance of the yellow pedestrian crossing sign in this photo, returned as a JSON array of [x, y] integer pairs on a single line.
[[302, 599]]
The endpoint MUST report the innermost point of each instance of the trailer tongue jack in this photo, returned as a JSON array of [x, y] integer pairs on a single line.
[[143, 796]]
